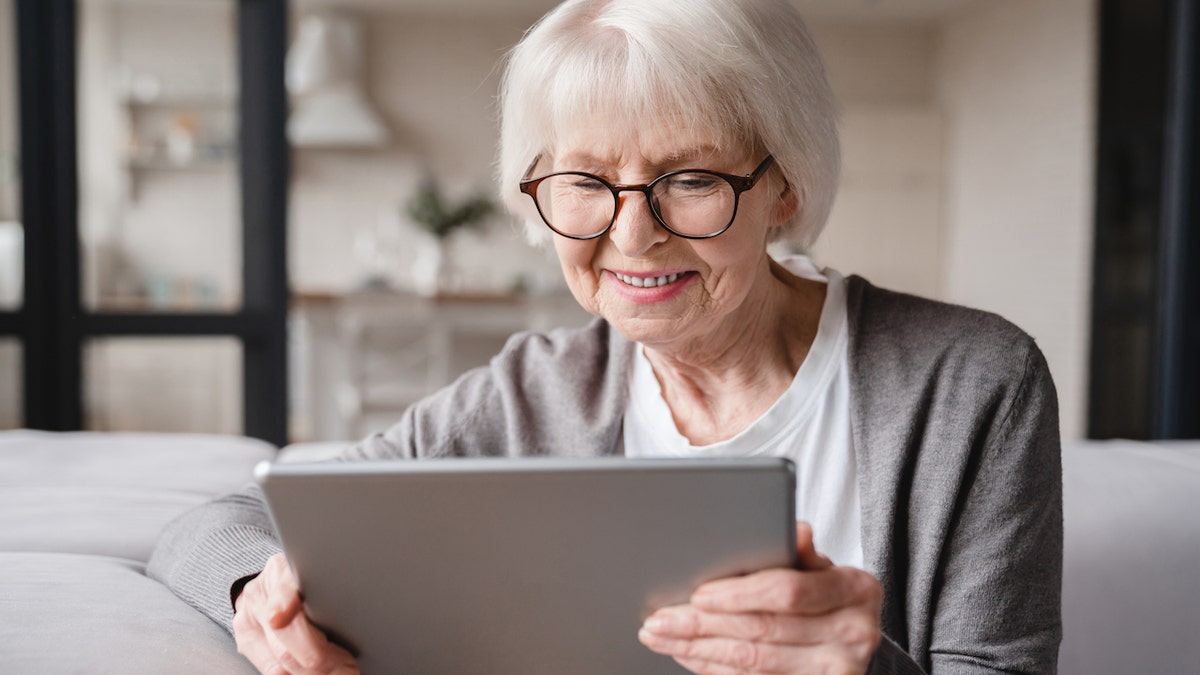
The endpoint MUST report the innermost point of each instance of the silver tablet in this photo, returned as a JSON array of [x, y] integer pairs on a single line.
[[519, 566]]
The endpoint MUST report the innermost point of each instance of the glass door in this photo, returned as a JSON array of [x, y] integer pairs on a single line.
[[159, 208], [156, 170], [12, 234]]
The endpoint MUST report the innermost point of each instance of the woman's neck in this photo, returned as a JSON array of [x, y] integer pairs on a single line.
[[718, 386]]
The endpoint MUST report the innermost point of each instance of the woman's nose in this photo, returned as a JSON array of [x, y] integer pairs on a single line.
[[635, 230]]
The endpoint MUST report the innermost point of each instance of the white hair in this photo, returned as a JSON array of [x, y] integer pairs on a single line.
[[746, 72]]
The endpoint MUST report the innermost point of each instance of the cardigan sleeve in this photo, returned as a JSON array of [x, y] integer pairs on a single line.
[[204, 553], [956, 428], [890, 659], [999, 607], [996, 607]]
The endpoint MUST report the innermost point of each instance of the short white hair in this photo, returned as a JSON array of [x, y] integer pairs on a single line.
[[744, 71]]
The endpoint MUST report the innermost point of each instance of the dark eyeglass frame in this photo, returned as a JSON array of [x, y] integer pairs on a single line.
[[739, 184]]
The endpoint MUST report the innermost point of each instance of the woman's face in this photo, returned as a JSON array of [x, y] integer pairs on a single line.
[[707, 281]]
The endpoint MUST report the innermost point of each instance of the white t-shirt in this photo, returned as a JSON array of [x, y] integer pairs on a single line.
[[809, 424]]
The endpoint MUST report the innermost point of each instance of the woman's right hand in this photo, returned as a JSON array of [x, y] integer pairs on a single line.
[[272, 631]]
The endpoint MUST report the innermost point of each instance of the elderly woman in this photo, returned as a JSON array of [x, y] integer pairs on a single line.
[[661, 146]]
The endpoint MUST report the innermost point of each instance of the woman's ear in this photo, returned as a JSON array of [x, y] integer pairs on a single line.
[[786, 204]]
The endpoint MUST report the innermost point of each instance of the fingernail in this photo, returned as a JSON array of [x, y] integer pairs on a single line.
[[651, 640], [661, 623]]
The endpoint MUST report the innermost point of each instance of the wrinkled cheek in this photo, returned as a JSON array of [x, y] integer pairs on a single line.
[[584, 285], [575, 259], [573, 253]]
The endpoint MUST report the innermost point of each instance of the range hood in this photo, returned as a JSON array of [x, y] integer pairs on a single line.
[[329, 105]]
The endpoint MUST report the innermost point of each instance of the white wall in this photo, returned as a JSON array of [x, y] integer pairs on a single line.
[[885, 224], [1017, 84], [968, 155]]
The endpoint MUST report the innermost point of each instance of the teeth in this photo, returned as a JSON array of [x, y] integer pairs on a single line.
[[648, 282]]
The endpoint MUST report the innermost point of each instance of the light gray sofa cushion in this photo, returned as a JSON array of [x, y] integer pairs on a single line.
[[73, 613], [79, 515], [1131, 567], [111, 494]]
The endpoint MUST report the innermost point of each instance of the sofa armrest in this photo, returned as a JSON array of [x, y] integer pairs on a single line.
[[111, 493]]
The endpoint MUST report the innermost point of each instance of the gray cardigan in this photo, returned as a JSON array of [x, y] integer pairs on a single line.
[[954, 420]]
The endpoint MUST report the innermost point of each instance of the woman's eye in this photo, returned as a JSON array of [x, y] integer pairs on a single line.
[[692, 183], [587, 184]]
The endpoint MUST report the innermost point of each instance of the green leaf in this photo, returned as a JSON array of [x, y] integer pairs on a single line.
[[428, 209]]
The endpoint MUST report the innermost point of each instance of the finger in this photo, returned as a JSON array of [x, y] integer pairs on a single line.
[[252, 644], [336, 660], [254, 602], [269, 655], [284, 645], [283, 592], [295, 648], [708, 667], [684, 622], [803, 660], [310, 646], [281, 652], [283, 610], [806, 551], [290, 636], [718, 656], [738, 654], [789, 591], [265, 597]]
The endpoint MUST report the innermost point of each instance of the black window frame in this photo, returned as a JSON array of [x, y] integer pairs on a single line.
[[52, 324]]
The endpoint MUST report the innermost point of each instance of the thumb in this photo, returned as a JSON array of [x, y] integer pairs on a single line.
[[806, 552], [283, 592], [286, 608]]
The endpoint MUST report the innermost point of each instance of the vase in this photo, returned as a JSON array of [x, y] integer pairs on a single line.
[[431, 268], [378, 248]]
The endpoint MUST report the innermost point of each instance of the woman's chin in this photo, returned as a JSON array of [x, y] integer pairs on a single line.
[[649, 330]]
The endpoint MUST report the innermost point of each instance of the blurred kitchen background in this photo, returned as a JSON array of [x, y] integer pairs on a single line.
[[970, 131]]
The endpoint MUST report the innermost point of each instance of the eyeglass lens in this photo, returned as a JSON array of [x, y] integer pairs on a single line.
[[692, 203]]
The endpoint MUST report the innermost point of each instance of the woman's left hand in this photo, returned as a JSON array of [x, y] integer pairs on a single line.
[[818, 619]]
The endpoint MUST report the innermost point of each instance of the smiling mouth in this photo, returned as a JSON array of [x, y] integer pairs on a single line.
[[647, 282]]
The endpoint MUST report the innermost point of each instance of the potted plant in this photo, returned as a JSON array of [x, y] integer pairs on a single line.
[[439, 219]]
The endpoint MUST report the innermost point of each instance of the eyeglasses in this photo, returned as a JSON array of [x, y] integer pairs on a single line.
[[692, 203]]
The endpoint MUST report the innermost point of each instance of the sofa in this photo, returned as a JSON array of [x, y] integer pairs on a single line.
[[79, 516], [80, 512]]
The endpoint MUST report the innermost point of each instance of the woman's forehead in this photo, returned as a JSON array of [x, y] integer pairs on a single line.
[[607, 141]]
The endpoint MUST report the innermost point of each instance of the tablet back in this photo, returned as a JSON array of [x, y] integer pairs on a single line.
[[520, 566]]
